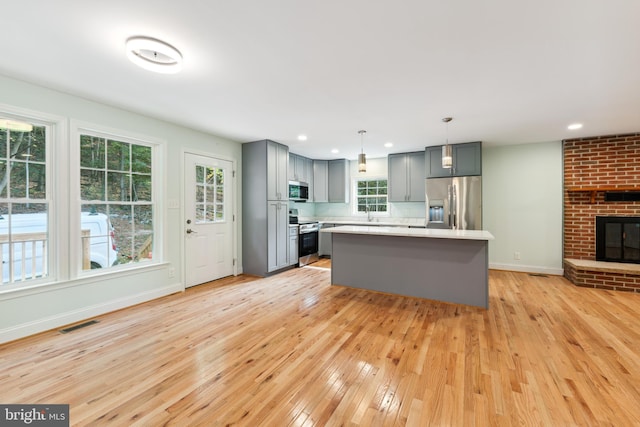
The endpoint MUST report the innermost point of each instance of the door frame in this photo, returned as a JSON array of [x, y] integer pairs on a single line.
[[234, 209]]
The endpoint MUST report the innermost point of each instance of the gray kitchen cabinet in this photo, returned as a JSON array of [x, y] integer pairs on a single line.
[[265, 218], [301, 169], [293, 244], [277, 164], [467, 160], [406, 177], [338, 181], [277, 235], [320, 180]]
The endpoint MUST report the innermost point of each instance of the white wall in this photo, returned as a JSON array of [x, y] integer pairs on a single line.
[[522, 206], [26, 312]]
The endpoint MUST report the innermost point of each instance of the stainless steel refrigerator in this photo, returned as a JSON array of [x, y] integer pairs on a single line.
[[454, 203]]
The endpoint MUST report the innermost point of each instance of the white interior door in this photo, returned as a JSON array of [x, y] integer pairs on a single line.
[[208, 227]]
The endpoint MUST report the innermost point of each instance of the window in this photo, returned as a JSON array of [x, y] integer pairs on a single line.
[[209, 194], [117, 206], [24, 201], [371, 195]]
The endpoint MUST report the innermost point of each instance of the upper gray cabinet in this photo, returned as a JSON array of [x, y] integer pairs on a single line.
[[406, 177], [467, 160], [300, 168], [277, 165], [339, 181], [320, 180]]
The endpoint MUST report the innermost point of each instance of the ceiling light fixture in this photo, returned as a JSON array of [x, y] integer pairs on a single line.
[[447, 158], [388, 144], [15, 126], [574, 126], [362, 158], [335, 151], [302, 137], [154, 55]]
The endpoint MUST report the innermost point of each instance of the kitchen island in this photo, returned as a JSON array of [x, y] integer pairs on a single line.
[[444, 265]]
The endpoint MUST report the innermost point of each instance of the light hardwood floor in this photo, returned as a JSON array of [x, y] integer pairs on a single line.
[[294, 350]]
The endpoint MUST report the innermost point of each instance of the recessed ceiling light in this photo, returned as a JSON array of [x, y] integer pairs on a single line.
[[388, 144], [302, 137], [335, 151], [154, 55], [574, 126]]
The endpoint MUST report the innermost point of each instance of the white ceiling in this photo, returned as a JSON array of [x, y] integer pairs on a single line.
[[509, 72]]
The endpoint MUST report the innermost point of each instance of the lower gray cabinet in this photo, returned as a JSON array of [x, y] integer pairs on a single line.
[[277, 235], [293, 245]]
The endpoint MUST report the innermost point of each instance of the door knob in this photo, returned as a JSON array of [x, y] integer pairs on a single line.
[[189, 231]]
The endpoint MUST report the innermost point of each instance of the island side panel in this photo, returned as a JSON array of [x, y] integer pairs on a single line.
[[451, 270]]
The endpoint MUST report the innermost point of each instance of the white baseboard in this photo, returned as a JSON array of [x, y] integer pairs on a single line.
[[41, 325], [527, 269]]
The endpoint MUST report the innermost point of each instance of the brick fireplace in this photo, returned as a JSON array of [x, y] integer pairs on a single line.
[[594, 168]]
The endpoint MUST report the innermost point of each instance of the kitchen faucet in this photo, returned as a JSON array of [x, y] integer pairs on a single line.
[[368, 209]]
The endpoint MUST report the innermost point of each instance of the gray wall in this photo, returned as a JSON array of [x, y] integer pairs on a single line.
[[522, 206], [28, 311]]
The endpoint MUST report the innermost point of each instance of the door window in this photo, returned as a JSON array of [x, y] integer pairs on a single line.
[[209, 200]]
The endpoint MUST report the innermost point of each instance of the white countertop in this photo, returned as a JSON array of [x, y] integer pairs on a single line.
[[411, 232], [373, 223]]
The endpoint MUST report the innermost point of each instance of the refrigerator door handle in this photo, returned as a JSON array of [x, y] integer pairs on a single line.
[[451, 206], [454, 207]]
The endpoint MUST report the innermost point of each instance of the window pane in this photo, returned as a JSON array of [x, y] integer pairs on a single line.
[[199, 174], [92, 185], [92, 151], [211, 176], [4, 178], [142, 188], [3, 143], [121, 218], [210, 212], [143, 232], [220, 176], [118, 187], [118, 155], [24, 233], [199, 193], [200, 212], [141, 159]]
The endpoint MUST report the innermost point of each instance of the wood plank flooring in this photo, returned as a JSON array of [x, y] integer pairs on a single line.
[[294, 350]]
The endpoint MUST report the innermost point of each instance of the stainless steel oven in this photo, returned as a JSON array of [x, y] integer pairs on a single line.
[[308, 243]]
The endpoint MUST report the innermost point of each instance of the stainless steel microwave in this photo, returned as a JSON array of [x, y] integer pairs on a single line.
[[298, 191]]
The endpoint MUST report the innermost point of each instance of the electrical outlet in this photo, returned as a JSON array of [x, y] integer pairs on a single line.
[[172, 273], [516, 255]]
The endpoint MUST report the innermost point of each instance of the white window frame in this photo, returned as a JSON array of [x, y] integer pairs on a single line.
[[56, 132], [354, 200], [158, 148]]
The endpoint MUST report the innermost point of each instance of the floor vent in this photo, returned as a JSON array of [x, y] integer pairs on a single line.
[[78, 326], [538, 275]]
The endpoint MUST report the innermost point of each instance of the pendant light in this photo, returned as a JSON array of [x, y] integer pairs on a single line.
[[362, 158], [447, 157]]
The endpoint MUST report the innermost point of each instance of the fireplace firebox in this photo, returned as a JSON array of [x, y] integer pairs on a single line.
[[618, 239]]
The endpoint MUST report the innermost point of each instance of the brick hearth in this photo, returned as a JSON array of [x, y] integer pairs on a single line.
[[591, 166]]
